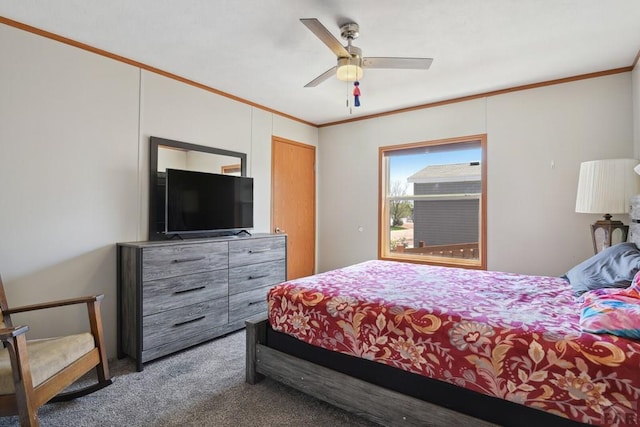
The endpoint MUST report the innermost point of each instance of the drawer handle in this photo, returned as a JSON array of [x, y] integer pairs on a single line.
[[189, 290], [189, 321], [257, 251], [258, 277], [177, 261], [256, 302]]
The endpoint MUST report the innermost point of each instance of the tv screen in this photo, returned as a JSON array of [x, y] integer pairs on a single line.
[[199, 202]]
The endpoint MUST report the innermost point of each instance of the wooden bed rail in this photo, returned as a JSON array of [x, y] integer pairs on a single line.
[[372, 402]]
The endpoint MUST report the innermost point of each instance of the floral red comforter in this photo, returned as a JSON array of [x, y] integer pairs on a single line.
[[512, 336]]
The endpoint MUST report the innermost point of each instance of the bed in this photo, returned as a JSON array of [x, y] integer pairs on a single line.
[[410, 344]]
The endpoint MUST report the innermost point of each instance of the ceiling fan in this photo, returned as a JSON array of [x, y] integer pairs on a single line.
[[350, 59]]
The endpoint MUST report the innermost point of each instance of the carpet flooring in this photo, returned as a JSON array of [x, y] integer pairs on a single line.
[[201, 386]]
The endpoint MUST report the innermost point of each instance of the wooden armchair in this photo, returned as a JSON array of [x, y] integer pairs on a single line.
[[34, 372]]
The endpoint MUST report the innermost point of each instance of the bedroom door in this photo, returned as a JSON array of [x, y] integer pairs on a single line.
[[293, 202]]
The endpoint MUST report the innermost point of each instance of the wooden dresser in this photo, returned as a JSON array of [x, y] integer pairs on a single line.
[[175, 294]]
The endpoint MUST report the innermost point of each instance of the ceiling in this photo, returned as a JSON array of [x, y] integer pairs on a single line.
[[258, 50]]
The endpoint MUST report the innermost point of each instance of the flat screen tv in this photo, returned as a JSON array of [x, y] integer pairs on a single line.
[[199, 202]]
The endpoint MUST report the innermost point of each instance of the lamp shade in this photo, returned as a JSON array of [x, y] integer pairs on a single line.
[[349, 70], [605, 186]]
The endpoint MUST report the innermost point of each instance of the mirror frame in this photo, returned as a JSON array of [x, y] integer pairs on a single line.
[[154, 143]]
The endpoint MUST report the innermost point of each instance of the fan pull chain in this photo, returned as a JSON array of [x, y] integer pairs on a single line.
[[347, 99]]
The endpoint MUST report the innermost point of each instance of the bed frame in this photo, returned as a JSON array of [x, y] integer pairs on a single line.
[[377, 392]]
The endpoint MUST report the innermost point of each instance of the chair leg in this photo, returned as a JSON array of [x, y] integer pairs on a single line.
[[25, 401], [102, 370], [95, 321], [29, 417]]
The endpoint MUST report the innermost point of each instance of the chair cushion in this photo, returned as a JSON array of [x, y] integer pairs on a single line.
[[46, 357]]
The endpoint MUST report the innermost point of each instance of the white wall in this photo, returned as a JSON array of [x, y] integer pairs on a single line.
[[294, 131], [69, 172], [532, 226], [260, 165], [74, 156], [635, 79]]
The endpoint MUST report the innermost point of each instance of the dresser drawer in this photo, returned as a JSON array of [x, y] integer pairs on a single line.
[[181, 322], [254, 276], [247, 304], [169, 261], [252, 251], [174, 292]]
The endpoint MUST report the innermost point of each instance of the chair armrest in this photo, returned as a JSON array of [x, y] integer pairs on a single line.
[[6, 334], [52, 304]]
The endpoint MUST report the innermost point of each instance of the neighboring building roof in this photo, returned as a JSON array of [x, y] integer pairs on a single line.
[[455, 172]]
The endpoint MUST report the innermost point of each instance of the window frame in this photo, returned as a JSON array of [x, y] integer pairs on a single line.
[[384, 220]]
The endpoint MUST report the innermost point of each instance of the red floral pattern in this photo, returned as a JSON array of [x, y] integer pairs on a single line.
[[506, 335]]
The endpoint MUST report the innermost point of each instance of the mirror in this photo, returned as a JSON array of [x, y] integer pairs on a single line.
[[167, 153]]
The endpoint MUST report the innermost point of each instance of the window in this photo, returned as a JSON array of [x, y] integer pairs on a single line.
[[433, 202]]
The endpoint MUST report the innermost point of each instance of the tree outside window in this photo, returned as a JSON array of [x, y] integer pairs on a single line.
[[399, 209]]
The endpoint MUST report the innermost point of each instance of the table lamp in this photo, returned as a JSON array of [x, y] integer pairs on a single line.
[[605, 187]]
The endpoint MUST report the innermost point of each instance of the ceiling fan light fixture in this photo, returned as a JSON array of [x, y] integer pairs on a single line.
[[350, 60], [348, 71]]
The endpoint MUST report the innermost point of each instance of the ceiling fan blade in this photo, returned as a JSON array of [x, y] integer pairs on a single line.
[[326, 37], [322, 77], [405, 63]]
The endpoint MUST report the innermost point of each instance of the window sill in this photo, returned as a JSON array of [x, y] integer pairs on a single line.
[[474, 264]]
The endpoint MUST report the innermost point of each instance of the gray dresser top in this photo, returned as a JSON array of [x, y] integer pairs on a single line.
[[173, 242]]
